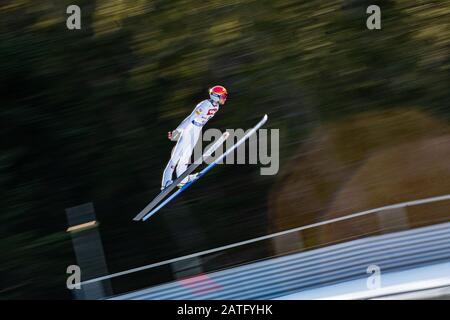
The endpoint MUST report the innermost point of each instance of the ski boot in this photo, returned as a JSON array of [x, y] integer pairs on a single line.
[[168, 183], [189, 178]]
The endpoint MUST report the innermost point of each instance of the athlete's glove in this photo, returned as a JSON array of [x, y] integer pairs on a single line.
[[174, 135]]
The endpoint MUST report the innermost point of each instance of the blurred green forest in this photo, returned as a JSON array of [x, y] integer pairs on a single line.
[[85, 113]]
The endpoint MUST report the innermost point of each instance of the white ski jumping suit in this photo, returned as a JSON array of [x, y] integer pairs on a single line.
[[189, 132]]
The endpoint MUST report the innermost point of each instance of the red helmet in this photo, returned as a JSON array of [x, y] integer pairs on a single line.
[[218, 94]]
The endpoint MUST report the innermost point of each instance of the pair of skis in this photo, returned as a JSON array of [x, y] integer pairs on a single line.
[[153, 206]]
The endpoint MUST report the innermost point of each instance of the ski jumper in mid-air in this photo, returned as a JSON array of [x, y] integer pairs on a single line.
[[188, 133]]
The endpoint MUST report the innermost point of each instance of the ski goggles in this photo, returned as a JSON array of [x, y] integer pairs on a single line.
[[222, 96]]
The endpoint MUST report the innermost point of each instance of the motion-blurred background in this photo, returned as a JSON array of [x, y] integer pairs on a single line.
[[363, 118]]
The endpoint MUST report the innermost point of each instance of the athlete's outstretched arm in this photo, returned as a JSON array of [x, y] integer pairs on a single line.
[[175, 134]]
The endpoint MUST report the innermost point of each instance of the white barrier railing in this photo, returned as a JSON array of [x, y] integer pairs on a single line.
[[234, 245]]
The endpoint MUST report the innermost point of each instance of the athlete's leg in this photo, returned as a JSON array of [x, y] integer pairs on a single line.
[[176, 154], [183, 163]]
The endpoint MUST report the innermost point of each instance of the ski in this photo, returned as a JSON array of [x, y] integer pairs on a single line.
[[164, 193], [208, 168]]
